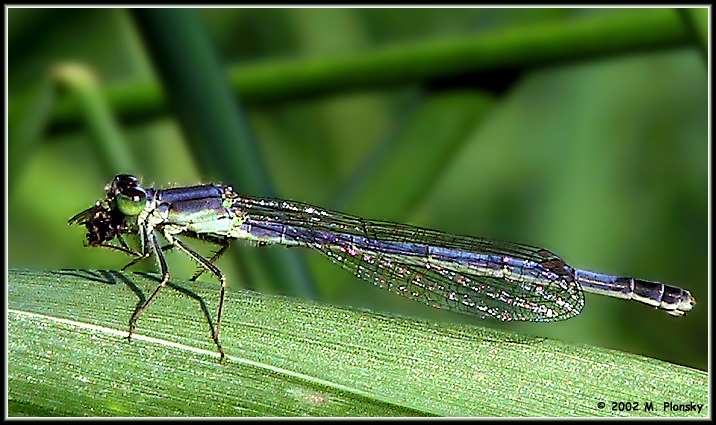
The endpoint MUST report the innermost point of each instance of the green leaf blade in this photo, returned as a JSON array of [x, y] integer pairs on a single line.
[[285, 357]]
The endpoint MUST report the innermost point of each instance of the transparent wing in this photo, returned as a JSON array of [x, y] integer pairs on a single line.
[[457, 273]]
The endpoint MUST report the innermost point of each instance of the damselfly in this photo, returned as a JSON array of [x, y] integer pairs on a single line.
[[468, 275]]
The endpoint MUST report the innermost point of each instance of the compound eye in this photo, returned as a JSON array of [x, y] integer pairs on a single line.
[[121, 183], [131, 201], [126, 180]]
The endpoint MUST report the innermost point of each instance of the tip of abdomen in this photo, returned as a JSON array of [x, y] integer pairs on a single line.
[[674, 300]]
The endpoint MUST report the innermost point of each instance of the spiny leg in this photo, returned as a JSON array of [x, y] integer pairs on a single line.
[[123, 248], [165, 279], [212, 268], [224, 246], [223, 242], [141, 257]]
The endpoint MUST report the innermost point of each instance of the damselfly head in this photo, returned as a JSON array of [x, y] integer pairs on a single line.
[[121, 183], [105, 220]]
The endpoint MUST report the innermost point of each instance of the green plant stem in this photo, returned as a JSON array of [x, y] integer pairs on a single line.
[[84, 92], [697, 20], [213, 121], [608, 34]]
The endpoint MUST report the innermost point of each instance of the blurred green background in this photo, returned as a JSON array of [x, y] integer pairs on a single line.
[[594, 151]]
